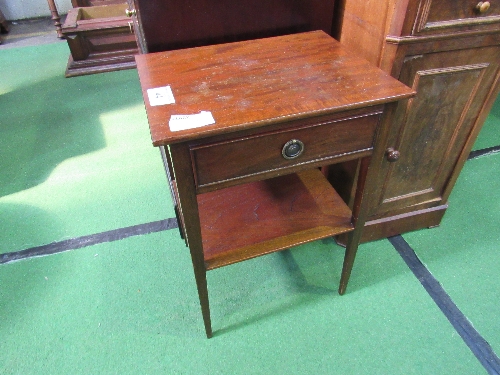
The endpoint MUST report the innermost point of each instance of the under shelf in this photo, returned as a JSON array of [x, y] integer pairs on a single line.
[[249, 220]]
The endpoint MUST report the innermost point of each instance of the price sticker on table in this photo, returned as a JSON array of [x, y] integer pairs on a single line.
[[184, 122], [160, 96]]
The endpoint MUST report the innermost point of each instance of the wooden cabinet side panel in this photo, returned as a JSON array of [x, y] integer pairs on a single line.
[[485, 110], [364, 25]]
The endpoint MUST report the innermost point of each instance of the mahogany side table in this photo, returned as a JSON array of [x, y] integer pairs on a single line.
[[247, 130]]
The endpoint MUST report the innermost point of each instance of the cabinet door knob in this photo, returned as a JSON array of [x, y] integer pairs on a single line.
[[392, 155], [483, 6], [292, 149], [130, 12]]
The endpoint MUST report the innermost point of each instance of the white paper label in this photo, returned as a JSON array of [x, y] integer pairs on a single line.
[[184, 122], [160, 96]]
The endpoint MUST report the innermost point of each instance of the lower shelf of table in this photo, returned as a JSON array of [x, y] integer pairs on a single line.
[[246, 221]]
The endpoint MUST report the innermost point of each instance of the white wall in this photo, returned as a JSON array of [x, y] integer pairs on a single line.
[[20, 9]]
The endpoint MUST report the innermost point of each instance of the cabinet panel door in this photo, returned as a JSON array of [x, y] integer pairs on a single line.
[[431, 129]]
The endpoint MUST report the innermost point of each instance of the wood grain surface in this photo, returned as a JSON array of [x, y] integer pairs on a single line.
[[260, 82], [249, 220]]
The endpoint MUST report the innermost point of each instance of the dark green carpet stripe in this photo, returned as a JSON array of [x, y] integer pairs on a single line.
[[477, 344], [93, 239], [483, 152]]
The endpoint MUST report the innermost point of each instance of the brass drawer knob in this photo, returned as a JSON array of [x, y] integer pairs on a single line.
[[392, 155], [292, 149], [483, 6], [130, 13]]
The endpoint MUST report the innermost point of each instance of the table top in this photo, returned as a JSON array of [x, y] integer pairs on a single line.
[[255, 83]]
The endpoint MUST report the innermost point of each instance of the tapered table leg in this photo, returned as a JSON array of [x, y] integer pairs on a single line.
[[359, 214], [188, 207]]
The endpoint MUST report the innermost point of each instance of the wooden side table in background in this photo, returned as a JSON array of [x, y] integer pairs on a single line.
[[247, 131]]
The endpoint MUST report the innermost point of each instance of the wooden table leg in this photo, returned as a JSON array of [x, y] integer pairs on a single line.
[[366, 191], [188, 204], [55, 17], [359, 214]]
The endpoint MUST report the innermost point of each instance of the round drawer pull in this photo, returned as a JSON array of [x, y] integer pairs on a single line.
[[483, 6], [292, 149], [392, 155]]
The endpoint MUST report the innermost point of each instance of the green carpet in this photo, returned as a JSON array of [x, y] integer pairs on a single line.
[[75, 154], [131, 307], [463, 253]]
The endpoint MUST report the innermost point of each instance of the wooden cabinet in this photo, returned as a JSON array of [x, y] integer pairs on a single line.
[[449, 52], [249, 182], [163, 25]]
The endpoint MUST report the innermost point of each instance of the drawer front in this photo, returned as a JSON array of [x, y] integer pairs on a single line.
[[231, 161], [442, 16]]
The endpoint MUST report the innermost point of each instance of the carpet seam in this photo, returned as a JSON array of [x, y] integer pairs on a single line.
[[483, 152], [472, 338], [90, 240]]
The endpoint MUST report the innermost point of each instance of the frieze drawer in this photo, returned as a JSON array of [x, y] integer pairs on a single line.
[[238, 160]]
